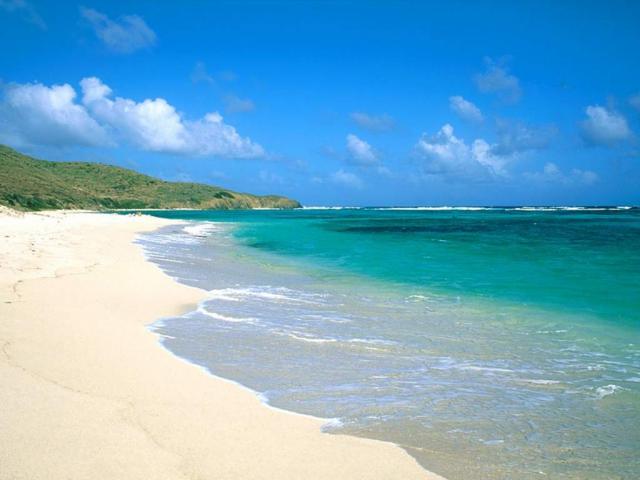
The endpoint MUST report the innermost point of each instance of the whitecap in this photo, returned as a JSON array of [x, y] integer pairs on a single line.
[[371, 341], [607, 390], [492, 442], [596, 367], [201, 229], [540, 381], [332, 423], [267, 293], [310, 339], [225, 318]]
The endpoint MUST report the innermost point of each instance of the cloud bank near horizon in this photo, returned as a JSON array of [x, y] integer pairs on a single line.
[[34, 114]]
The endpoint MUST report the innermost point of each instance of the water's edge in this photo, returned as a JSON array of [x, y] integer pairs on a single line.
[[326, 424], [253, 289]]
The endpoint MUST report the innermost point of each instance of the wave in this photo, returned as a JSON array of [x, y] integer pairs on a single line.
[[202, 229], [226, 318], [372, 341], [167, 239], [307, 338], [277, 294], [332, 208], [550, 208], [571, 209], [540, 381], [607, 390], [441, 208], [547, 332], [329, 332]]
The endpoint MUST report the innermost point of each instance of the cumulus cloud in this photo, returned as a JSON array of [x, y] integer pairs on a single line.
[[634, 101], [360, 152], [347, 179], [465, 109], [604, 126], [374, 123], [151, 124], [155, 125], [516, 137], [551, 173], [25, 10], [126, 35], [447, 155], [34, 114], [234, 104], [497, 79]]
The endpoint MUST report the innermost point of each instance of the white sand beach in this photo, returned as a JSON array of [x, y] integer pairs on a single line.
[[87, 392]]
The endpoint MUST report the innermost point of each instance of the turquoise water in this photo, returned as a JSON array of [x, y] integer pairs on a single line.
[[491, 343]]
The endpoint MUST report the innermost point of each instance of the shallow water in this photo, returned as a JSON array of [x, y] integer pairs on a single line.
[[488, 343]]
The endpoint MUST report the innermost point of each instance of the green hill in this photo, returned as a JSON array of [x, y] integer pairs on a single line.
[[30, 184]]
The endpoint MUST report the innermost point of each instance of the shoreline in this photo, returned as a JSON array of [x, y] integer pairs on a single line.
[[87, 393]]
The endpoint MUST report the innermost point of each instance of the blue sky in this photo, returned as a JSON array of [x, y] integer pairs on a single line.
[[336, 102]]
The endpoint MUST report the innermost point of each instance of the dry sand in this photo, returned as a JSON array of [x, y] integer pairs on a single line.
[[86, 392]]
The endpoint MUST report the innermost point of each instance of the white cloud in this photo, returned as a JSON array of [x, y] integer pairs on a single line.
[[234, 104], [347, 179], [484, 154], [551, 173], [155, 125], [128, 34], [465, 109], [634, 101], [25, 10], [516, 137], [497, 79], [361, 152], [210, 136], [447, 155], [451, 157], [604, 127], [151, 124], [374, 123], [34, 114]]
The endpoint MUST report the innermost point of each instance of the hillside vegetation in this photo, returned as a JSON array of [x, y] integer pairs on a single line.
[[30, 184]]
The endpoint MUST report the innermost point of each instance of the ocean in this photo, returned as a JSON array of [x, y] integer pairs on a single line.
[[489, 343]]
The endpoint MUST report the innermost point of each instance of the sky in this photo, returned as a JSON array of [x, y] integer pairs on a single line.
[[364, 103]]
